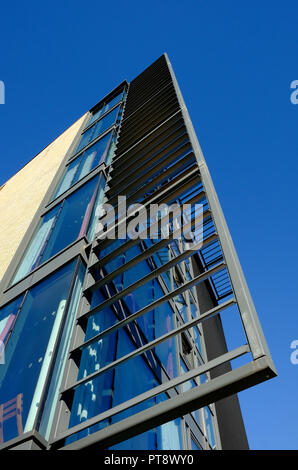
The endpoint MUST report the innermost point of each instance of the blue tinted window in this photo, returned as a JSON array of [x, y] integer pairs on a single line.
[[98, 128], [169, 435], [62, 355], [105, 107], [112, 102], [85, 163], [8, 315], [112, 387], [68, 178], [154, 323], [37, 244], [138, 378], [63, 225], [187, 386], [73, 220], [30, 348], [209, 426], [94, 218]]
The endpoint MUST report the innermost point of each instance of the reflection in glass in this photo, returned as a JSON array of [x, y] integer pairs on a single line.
[[105, 107], [8, 315], [209, 427], [53, 391], [98, 128], [67, 222], [30, 348], [85, 163], [37, 245]]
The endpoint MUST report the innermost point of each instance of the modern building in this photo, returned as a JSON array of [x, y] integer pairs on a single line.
[[127, 341]]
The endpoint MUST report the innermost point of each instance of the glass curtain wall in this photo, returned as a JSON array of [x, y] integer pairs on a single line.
[[67, 222], [99, 127], [139, 374], [30, 345], [36, 327], [86, 162], [74, 217]]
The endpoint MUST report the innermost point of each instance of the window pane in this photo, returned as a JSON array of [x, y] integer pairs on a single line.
[[68, 178], [37, 245], [169, 435], [188, 386], [60, 227], [98, 128], [110, 153], [96, 115], [8, 316], [94, 216], [92, 157], [30, 348], [107, 390], [86, 138], [85, 163], [53, 392], [103, 109], [105, 123], [209, 426], [72, 220], [112, 102]]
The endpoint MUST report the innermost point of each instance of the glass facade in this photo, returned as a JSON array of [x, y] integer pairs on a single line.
[[61, 226], [117, 385], [75, 216], [105, 107], [99, 127], [39, 317], [96, 342], [136, 375], [86, 162], [51, 399], [37, 326]]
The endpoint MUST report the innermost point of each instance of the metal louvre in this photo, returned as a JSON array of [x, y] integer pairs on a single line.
[[158, 160]]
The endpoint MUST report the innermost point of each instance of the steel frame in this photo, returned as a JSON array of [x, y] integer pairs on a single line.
[[167, 124], [260, 369]]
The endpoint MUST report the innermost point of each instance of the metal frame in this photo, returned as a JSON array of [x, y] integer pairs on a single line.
[[47, 203], [248, 313], [167, 121], [217, 388], [76, 250]]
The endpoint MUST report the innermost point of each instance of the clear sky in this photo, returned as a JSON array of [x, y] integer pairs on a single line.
[[234, 61]]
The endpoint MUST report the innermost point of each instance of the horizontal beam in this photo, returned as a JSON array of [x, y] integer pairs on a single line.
[[164, 387], [141, 312], [152, 344], [216, 389], [193, 282], [137, 259]]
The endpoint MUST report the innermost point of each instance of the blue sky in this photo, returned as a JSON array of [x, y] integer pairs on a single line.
[[234, 62]]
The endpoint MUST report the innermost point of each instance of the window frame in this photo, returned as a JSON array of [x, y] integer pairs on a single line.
[[100, 167], [86, 129], [77, 264], [58, 202], [101, 105]]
